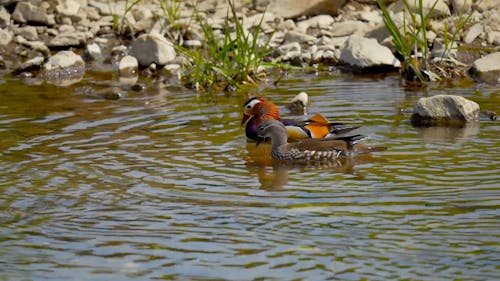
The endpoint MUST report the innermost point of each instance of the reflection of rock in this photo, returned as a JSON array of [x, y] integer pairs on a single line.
[[448, 134], [443, 110]]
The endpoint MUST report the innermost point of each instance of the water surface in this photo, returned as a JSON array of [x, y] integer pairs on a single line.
[[162, 184]]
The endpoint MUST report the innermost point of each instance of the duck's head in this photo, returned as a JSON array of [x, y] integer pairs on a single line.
[[261, 108]]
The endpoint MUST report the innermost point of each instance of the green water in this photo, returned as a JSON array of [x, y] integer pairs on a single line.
[[162, 185]]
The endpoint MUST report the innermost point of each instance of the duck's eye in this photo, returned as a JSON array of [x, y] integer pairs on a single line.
[[261, 128]]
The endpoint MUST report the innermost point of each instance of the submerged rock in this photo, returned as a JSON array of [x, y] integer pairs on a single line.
[[444, 110], [64, 68]]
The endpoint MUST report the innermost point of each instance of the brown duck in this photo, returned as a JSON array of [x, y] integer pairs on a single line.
[[330, 149]]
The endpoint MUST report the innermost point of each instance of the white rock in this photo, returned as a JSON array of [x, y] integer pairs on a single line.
[[64, 59], [128, 66], [364, 52], [94, 51], [347, 28], [444, 110], [152, 48]]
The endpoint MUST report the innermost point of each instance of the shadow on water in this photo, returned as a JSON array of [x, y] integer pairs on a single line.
[[162, 184]]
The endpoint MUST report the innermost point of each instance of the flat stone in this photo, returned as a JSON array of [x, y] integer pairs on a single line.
[[320, 21], [152, 48], [68, 39], [294, 8], [444, 110], [487, 68], [64, 59], [294, 36], [347, 28], [34, 63], [28, 32], [363, 53]]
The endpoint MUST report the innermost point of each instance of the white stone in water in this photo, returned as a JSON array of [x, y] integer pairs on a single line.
[[444, 110], [94, 51], [64, 59], [128, 66]]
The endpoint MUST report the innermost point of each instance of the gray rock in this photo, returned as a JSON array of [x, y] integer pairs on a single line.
[[4, 17], [35, 45], [128, 66], [487, 68], [473, 33], [26, 12], [68, 39], [152, 48], [294, 36], [290, 47], [294, 8], [363, 53], [5, 37], [444, 110], [28, 32], [461, 7]]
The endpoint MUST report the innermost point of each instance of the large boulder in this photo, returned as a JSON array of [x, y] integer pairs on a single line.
[[366, 53], [152, 48], [487, 68], [444, 110], [294, 8]]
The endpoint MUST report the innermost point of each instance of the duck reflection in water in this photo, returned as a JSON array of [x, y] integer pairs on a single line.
[[274, 175]]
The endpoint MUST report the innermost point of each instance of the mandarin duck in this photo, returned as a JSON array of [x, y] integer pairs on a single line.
[[258, 109], [331, 149]]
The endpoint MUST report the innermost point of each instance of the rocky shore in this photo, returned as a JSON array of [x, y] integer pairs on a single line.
[[59, 40]]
